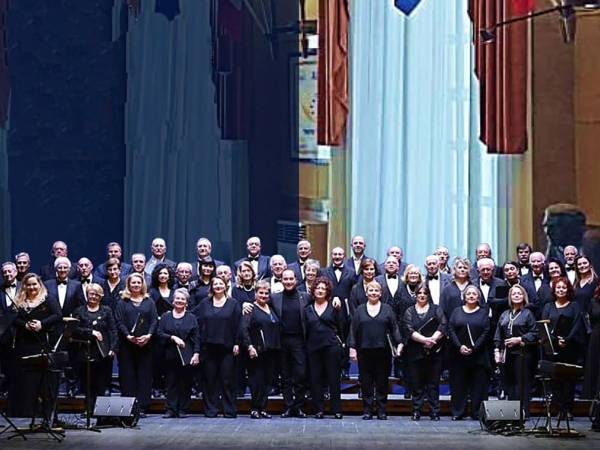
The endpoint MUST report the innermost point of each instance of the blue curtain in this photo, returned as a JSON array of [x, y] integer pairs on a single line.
[[420, 177]]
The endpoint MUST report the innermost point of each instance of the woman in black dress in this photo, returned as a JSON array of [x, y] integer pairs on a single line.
[[324, 338], [358, 295], [591, 381], [137, 321], [261, 336], [586, 282], [451, 296], [424, 326], [178, 329], [207, 273], [161, 288], [469, 362], [556, 269], [245, 282], [219, 320], [97, 327], [514, 345], [374, 337], [566, 325], [113, 285], [34, 326]]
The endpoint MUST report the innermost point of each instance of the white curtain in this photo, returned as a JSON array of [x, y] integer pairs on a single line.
[[420, 177]]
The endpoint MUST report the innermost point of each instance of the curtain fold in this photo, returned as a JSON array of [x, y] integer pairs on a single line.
[[502, 69], [420, 177], [332, 111]]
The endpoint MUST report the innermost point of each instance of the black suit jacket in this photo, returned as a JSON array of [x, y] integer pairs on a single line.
[[349, 263], [100, 271], [399, 302], [445, 280], [264, 268], [497, 304], [537, 298], [276, 302], [4, 308], [73, 299], [403, 266], [295, 266], [343, 287]]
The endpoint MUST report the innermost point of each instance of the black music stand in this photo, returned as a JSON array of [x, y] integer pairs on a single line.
[[6, 321]]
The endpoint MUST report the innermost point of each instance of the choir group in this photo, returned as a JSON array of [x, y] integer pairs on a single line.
[[295, 327]]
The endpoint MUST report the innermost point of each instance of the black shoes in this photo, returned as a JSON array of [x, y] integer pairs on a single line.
[[169, 415], [181, 415], [382, 416], [293, 413], [254, 414], [416, 417], [338, 416], [300, 414], [434, 416], [367, 416], [265, 415], [455, 418], [319, 415]]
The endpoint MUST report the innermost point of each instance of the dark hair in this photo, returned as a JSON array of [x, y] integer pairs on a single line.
[[579, 258], [112, 262], [552, 259], [570, 290], [524, 246], [365, 262], [208, 262], [211, 292], [423, 288], [328, 286], [154, 280]]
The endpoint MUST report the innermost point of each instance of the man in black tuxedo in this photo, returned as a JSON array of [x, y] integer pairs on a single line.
[[443, 255], [113, 250], [397, 253], [538, 281], [8, 294], [570, 254], [391, 285], [289, 306], [48, 272], [304, 252], [23, 263], [69, 295], [482, 251], [277, 265], [523, 253], [435, 279], [488, 285], [342, 277], [203, 252], [84, 270], [260, 263], [358, 254], [159, 255]]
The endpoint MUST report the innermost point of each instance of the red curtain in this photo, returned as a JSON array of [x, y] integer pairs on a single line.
[[502, 69], [332, 111]]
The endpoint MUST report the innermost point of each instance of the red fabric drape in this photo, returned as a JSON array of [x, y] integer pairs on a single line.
[[332, 112], [502, 68]]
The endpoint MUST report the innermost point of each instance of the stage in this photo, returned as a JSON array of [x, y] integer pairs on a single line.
[[351, 432]]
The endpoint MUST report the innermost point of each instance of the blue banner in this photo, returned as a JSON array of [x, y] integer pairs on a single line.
[[406, 6]]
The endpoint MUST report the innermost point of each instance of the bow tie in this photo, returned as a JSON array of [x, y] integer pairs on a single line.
[[85, 281], [537, 277], [521, 265], [432, 277], [569, 268], [484, 283], [276, 280], [392, 277], [14, 286], [337, 268], [252, 258], [61, 282]]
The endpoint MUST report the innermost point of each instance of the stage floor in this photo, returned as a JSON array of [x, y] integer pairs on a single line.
[[154, 432]]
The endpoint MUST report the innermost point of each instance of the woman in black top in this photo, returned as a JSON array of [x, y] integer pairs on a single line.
[[34, 326], [374, 335], [367, 272], [469, 362], [261, 335], [97, 327], [178, 329], [591, 381], [311, 271], [113, 285], [137, 320], [161, 288], [219, 319], [586, 282], [207, 273], [565, 322], [514, 345], [324, 338], [245, 280], [424, 326], [451, 296]]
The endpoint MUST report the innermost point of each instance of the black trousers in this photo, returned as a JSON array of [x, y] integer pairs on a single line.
[[563, 392], [178, 383], [293, 371], [326, 364], [467, 380], [424, 376], [219, 380], [8, 364], [135, 372], [260, 376], [511, 378], [373, 370], [100, 372]]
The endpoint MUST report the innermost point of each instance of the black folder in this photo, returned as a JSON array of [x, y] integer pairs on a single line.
[[140, 327]]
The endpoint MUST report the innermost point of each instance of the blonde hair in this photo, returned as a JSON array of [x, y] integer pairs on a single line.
[[96, 288], [523, 291], [126, 294], [20, 300]]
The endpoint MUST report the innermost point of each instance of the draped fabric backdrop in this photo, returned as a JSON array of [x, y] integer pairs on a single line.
[[420, 177], [178, 182]]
